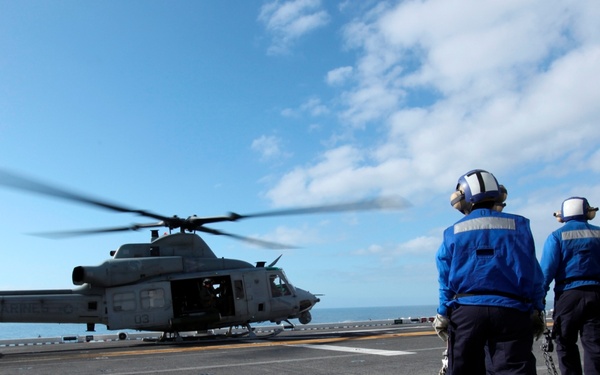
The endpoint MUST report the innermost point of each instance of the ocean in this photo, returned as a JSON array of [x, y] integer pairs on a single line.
[[319, 315]]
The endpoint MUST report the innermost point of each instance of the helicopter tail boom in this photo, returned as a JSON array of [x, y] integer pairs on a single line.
[[49, 306]]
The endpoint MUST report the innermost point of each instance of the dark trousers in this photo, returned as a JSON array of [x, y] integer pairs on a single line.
[[577, 313], [505, 333]]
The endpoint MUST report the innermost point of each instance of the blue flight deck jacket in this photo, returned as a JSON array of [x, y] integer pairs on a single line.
[[488, 258], [571, 256]]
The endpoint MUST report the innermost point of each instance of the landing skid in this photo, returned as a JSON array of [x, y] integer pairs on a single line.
[[249, 333], [166, 337]]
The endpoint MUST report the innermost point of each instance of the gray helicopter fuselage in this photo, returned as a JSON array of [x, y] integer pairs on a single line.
[[160, 286]]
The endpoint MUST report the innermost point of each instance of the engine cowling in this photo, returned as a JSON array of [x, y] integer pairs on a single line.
[[116, 272]]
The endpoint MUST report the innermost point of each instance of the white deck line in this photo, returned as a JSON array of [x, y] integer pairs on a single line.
[[349, 349]]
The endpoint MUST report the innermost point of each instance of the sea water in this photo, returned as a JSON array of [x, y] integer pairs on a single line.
[[319, 315]]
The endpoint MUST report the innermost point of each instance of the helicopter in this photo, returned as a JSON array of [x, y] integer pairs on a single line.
[[174, 283]]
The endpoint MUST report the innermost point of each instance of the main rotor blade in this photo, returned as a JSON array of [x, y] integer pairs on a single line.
[[382, 203], [254, 241], [192, 223], [85, 232], [9, 179]]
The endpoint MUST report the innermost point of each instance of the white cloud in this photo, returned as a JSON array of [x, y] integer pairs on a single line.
[[314, 128], [293, 236], [594, 162], [339, 76], [326, 180], [314, 107], [289, 112], [370, 102], [269, 147], [424, 246], [288, 21], [454, 85], [419, 250]]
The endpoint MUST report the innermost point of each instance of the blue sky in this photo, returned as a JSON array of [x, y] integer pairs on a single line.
[[206, 107]]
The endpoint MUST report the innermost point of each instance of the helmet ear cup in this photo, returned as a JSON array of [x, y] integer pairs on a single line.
[[503, 194], [591, 213], [457, 200], [558, 216]]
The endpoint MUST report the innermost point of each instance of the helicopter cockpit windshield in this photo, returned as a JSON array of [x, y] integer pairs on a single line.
[[279, 285]]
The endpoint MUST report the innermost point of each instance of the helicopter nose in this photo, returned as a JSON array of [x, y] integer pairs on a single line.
[[307, 299]]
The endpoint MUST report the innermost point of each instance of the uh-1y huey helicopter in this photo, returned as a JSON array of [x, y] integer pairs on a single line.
[[175, 283]]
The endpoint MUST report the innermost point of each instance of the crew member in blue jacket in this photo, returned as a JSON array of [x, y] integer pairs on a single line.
[[571, 258], [490, 283]]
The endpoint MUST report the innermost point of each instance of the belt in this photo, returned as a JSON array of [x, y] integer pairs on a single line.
[[569, 280], [493, 293]]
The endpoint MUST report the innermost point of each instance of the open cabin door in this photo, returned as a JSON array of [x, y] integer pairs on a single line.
[[202, 295]]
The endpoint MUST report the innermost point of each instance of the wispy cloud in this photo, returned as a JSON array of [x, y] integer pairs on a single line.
[[339, 76], [269, 147], [288, 21], [419, 249], [313, 107]]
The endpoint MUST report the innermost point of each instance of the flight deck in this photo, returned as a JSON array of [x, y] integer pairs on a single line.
[[374, 347]]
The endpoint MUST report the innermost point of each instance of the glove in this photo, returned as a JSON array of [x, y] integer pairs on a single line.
[[538, 324], [440, 324]]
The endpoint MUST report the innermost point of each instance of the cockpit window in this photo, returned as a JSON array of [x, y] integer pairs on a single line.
[[279, 286]]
